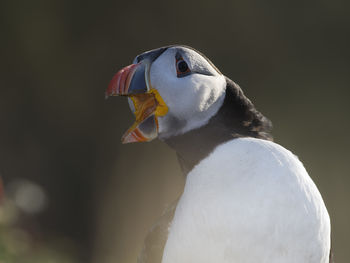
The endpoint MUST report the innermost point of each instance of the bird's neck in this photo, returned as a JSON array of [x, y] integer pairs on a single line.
[[195, 145], [236, 118]]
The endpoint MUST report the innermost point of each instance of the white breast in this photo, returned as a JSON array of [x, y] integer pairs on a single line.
[[250, 201]]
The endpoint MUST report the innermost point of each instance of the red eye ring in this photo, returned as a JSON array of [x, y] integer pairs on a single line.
[[182, 68]]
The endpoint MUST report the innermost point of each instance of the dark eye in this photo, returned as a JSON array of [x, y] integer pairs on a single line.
[[182, 68]]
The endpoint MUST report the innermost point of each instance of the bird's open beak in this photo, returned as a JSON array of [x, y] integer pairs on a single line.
[[133, 82]]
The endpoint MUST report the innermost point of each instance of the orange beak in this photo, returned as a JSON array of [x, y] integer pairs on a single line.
[[133, 82]]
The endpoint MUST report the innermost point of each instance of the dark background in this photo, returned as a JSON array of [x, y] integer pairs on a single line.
[[292, 59]]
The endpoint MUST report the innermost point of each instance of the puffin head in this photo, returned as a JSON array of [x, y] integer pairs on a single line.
[[171, 90]]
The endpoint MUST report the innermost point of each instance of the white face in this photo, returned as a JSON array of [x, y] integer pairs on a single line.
[[192, 98]]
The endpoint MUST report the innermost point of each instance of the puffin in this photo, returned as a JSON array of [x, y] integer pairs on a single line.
[[246, 198]]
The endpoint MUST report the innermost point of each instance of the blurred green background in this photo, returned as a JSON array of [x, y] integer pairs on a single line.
[[73, 192]]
